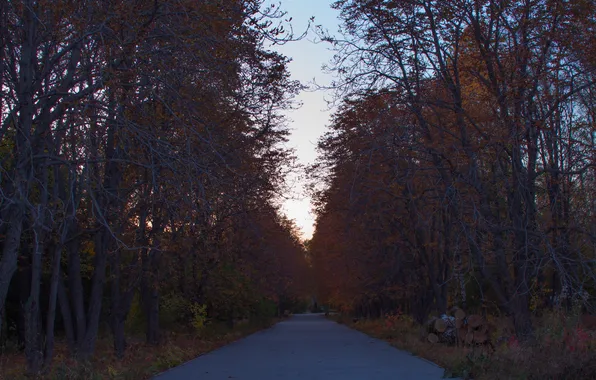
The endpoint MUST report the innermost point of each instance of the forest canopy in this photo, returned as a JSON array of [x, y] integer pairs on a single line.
[[460, 166], [141, 158]]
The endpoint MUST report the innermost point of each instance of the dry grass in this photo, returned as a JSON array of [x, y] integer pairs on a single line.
[[141, 361], [560, 350]]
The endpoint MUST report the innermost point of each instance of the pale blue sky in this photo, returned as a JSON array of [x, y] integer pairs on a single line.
[[309, 122]]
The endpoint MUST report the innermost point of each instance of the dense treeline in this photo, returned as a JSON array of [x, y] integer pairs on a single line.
[[140, 160], [460, 167]]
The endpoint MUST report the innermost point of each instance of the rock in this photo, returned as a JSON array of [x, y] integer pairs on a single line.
[[440, 325], [433, 338], [475, 320], [459, 314]]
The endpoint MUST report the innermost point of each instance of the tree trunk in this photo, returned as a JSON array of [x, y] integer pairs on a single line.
[[119, 336], [33, 350], [121, 303], [75, 287], [51, 316], [66, 317], [33, 342], [115, 320], [87, 346], [521, 316], [441, 300], [150, 282], [12, 242], [22, 149], [59, 194], [459, 276], [421, 306], [153, 316], [3, 327], [151, 296]]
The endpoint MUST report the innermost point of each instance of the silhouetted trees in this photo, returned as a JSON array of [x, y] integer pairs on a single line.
[[463, 154]]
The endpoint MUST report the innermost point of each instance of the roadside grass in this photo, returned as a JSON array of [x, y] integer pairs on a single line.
[[560, 350], [141, 360]]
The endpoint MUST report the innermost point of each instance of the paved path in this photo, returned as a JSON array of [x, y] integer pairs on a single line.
[[306, 347]]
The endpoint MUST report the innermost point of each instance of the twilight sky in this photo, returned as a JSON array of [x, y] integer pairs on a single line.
[[309, 121]]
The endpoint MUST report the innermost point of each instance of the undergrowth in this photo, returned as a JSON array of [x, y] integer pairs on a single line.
[[141, 360], [559, 351]]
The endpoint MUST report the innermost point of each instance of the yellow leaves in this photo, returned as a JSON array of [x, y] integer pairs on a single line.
[[112, 372], [88, 248], [199, 316]]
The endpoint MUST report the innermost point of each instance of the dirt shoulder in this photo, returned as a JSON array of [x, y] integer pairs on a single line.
[[560, 350]]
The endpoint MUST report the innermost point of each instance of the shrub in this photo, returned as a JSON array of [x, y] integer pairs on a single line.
[[174, 309], [199, 316], [299, 306], [560, 350], [135, 320], [229, 293], [264, 309]]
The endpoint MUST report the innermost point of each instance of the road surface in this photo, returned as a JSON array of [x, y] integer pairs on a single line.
[[306, 347]]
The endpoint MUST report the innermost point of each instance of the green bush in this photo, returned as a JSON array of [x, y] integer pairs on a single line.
[[301, 306], [264, 309], [135, 320], [199, 316], [174, 309], [229, 293]]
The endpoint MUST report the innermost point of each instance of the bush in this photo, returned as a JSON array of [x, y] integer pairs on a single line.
[[560, 350], [174, 309], [229, 293], [135, 320], [299, 306], [264, 310], [199, 316]]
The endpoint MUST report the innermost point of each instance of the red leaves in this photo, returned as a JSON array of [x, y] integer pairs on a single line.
[[577, 340]]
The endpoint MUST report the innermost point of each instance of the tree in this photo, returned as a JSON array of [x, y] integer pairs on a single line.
[[136, 134], [480, 83]]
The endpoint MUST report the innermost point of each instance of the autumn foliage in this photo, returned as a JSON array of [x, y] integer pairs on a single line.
[[459, 166], [140, 159]]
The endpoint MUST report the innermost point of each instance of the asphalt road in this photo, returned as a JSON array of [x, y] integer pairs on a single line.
[[306, 347]]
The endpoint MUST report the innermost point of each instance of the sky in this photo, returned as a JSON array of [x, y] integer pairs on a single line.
[[308, 122]]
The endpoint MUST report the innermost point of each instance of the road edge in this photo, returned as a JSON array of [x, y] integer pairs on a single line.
[[157, 375], [393, 346]]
